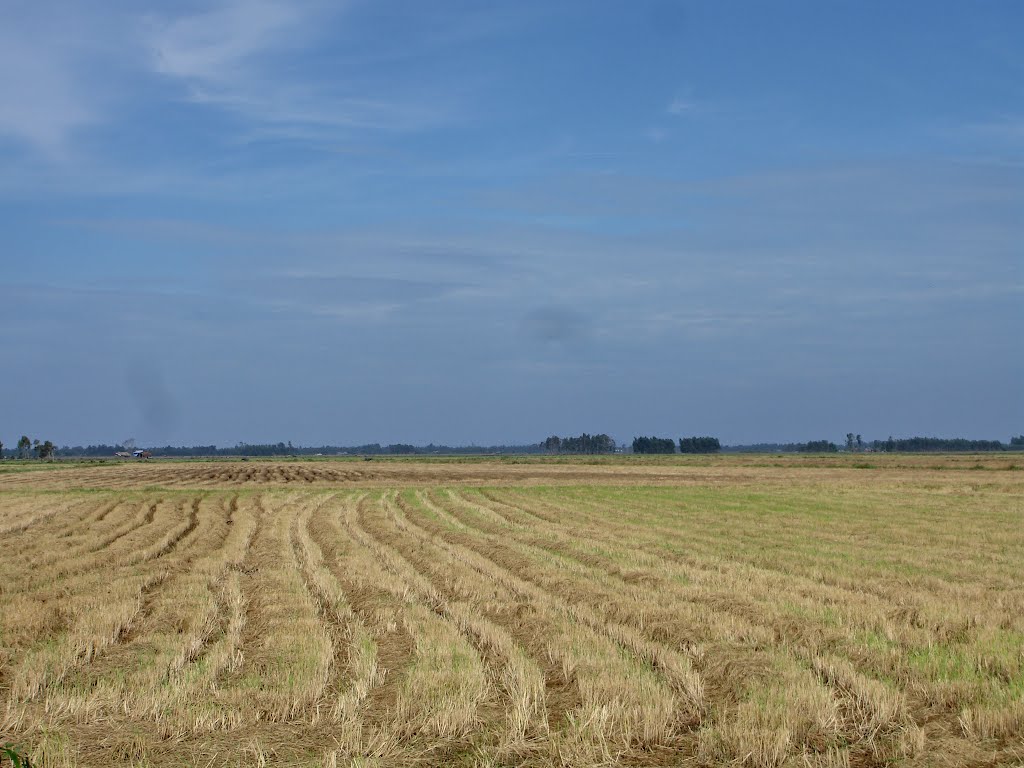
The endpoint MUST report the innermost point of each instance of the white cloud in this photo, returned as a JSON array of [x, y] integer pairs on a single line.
[[242, 57], [66, 66], [45, 93], [216, 48]]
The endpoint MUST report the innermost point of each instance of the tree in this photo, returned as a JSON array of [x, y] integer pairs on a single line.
[[699, 445], [653, 445], [583, 444], [24, 444], [553, 444], [919, 444], [44, 450], [1, 449], [818, 446], [849, 441], [1017, 442]]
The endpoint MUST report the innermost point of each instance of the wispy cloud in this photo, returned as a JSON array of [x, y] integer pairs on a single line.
[[65, 67], [215, 48], [245, 56], [44, 95]]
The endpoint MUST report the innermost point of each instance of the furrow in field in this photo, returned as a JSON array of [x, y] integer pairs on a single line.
[[145, 514], [633, 695], [704, 536], [833, 618], [286, 650], [446, 684], [53, 538], [514, 613], [62, 535], [722, 580], [631, 569], [870, 708], [847, 621], [100, 620], [19, 509], [134, 676], [58, 575], [636, 561], [481, 542], [191, 636], [90, 513], [334, 612], [357, 672], [796, 536], [198, 704], [433, 705], [733, 670], [378, 605], [176, 540], [38, 513], [518, 712], [566, 579], [214, 607]]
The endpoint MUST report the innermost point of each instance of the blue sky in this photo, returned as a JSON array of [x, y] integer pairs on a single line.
[[342, 222]]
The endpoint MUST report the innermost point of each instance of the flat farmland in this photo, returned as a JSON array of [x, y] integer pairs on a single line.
[[746, 610]]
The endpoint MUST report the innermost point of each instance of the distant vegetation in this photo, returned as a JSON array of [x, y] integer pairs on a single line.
[[915, 444], [653, 445], [854, 444], [287, 449], [699, 445], [26, 448], [583, 444], [818, 446]]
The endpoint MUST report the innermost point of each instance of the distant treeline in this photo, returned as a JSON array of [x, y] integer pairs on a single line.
[[667, 445], [926, 444], [582, 444], [813, 446], [653, 445], [699, 445], [774, 447], [287, 449], [818, 446], [892, 445]]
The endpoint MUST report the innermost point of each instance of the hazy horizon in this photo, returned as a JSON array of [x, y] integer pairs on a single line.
[[386, 222], [621, 442]]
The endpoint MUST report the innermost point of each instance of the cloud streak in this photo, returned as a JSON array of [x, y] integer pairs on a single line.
[[45, 97], [218, 47], [66, 68], [246, 57]]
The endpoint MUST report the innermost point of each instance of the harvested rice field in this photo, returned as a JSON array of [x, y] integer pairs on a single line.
[[737, 610]]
